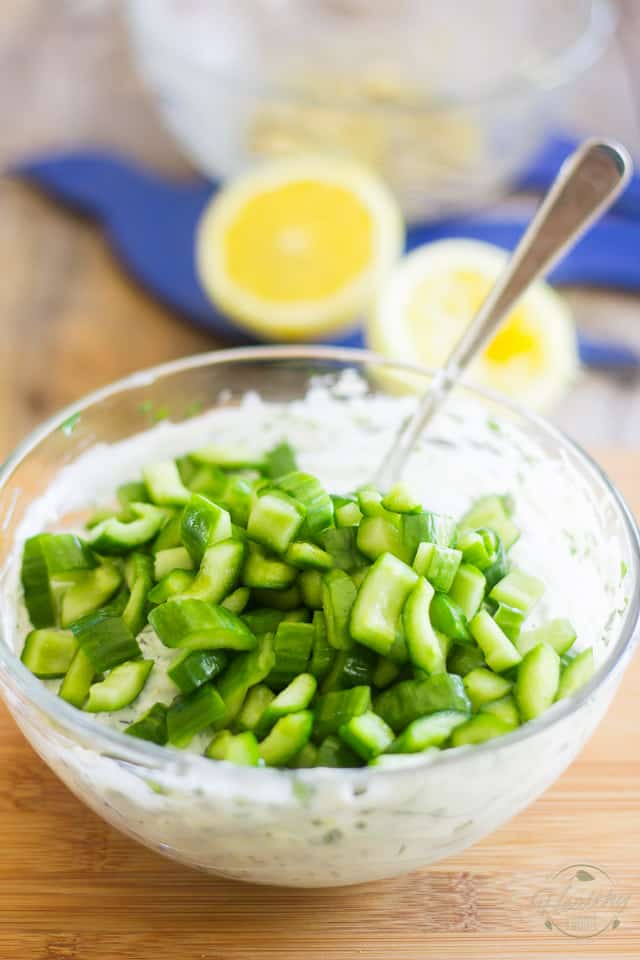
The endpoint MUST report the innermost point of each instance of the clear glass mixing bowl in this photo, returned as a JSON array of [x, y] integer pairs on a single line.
[[324, 827], [446, 100]]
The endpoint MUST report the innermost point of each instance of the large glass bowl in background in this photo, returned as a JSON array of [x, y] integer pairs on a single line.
[[446, 100], [324, 827]]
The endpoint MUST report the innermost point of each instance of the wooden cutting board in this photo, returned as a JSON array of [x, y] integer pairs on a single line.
[[72, 888]]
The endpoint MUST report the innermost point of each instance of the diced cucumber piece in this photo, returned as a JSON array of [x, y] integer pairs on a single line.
[[537, 683], [576, 673], [120, 687], [264, 570], [322, 652], [438, 564], [106, 639], [425, 647], [382, 534], [310, 583], [429, 731], [170, 586], [287, 738], [113, 536], [338, 597], [197, 625], [367, 735], [401, 499], [498, 650], [189, 715], [519, 590], [341, 545], [170, 534], [47, 557], [317, 504], [370, 502], [348, 515], [138, 573], [164, 484], [78, 680], [229, 457], [490, 512], [510, 621], [558, 633], [240, 748], [464, 657], [483, 686], [407, 700], [467, 589], [308, 556], [194, 667], [379, 603], [505, 708], [447, 618], [219, 571], [257, 700], [479, 729], [334, 709], [292, 646], [166, 561], [350, 668], [151, 726], [203, 524], [274, 520], [296, 696], [427, 527], [92, 590], [48, 653], [238, 600], [244, 672]]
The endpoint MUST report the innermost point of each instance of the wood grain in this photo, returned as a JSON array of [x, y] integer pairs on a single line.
[[72, 888]]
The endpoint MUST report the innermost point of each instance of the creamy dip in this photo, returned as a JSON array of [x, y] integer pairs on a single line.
[[339, 433]]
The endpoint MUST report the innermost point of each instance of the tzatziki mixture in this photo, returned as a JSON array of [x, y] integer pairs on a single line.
[[238, 589]]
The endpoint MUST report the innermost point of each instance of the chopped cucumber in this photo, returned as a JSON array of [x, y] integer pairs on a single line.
[[429, 731], [286, 607], [498, 650], [120, 687], [538, 680], [576, 673]]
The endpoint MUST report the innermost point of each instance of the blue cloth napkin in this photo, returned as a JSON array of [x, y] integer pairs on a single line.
[[150, 221]]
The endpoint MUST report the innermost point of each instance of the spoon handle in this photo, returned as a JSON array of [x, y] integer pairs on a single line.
[[588, 182]]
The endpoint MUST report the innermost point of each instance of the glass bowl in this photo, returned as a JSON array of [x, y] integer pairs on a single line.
[[445, 101], [323, 827]]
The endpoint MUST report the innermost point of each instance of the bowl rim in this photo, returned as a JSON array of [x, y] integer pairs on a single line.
[[557, 69], [153, 756]]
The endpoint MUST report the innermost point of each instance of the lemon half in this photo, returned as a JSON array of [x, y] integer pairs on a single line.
[[432, 296], [297, 248]]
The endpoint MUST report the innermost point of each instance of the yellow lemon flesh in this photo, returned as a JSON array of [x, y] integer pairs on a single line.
[[298, 248], [433, 295]]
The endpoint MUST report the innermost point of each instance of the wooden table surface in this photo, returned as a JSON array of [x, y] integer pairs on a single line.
[[72, 888]]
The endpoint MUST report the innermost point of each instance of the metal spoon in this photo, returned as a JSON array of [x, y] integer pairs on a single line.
[[587, 183]]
